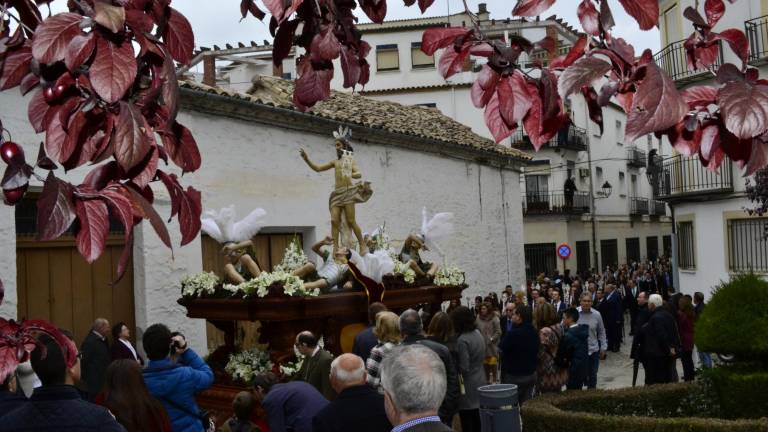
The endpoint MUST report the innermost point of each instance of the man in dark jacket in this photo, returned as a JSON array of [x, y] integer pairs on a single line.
[[576, 348], [613, 317], [357, 407], [412, 331], [660, 343], [10, 399], [631, 292], [291, 406], [366, 340], [316, 367], [519, 354], [57, 406], [175, 384], [96, 357], [506, 320]]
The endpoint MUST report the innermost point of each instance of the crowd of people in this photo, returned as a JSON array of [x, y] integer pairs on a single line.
[[416, 371]]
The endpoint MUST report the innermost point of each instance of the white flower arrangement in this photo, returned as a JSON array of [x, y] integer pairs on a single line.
[[289, 369], [245, 365], [449, 276], [259, 286], [293, 258], [404, 269], [199, 284]]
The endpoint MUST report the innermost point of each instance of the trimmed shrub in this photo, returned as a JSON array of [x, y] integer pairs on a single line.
[[662, 408], [738, 391], [735, 321]]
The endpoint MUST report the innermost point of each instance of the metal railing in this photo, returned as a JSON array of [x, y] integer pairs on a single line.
[[747, 245], [554, 203], [569, 137], [674, 61], [757, 35], [658, 208], [638, 206], [636, 157], [685, 176]]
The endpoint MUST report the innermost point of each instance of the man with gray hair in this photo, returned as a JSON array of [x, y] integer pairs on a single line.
[[413, 379], [597, 339], [96, 357], [660, 343], [358, 406], [412, 331]]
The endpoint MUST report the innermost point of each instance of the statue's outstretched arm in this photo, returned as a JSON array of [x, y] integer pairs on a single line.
[[316, 248], [236, 246], [314, 166]]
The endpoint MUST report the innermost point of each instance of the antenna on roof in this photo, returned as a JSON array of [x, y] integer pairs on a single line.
[[254, 44], [240, 45]]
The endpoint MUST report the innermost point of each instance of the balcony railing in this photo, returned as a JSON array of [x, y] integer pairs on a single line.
[[673, 60], [757, 35], [569, 137], [555, 203], [636, 157], [658, 208], [686, 177], [638, 206]]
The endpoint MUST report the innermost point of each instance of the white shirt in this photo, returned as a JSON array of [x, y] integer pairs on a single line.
[[130, 347]]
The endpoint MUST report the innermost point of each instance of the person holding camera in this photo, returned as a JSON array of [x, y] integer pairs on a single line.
[[174, 383]]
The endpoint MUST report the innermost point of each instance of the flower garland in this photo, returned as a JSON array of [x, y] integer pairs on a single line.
[[259, 286], [449, 276], [199, 284], [245, 365], [289, 369], [293, 258], [405, 270]]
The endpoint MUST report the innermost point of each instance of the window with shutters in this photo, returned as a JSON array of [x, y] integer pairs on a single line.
[[387, 58], [419, 60], [686, 252], [747, 246]]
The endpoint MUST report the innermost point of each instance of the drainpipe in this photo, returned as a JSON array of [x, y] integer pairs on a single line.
[[592, 208], [673, 258]]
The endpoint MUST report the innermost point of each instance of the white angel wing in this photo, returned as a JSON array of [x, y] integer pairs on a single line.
[[436, 229], [210, 227], [249, 225]]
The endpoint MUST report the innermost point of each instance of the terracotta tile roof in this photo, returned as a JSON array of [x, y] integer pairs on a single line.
[[393, 117]]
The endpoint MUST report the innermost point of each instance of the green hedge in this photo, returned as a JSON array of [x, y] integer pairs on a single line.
[[739, 391], [662, 408], [735, 321]]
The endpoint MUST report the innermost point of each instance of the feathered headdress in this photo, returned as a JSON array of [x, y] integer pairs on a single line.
[[436, 229], [343, 134], [222, 227]]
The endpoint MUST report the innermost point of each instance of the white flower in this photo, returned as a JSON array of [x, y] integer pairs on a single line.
[[245, 365], [199, 284], [290, 368], [293, 258], [259, 286], [449, 276], [403, 269]]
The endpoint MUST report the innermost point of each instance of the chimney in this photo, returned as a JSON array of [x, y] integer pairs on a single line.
[[482, 12], [209, 70]]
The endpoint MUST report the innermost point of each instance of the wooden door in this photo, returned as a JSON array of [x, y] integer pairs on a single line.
[[56, 284]]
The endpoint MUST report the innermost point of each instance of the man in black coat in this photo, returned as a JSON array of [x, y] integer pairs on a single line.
[[612, 320], [506, 320], [412, 332], [96, 357], [660, 343], [357, 407], [57, 406], [366, 340], [630, 303]]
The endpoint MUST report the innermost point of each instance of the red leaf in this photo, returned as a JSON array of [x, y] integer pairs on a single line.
[[547, 44], [55, 209], [55, 135], [132, 140], [102, 175], [695, 17], [657, 104], [53, 36], [513, 99], [144, 208], [91, 237], [645, 12], [350, 67], [283, 41], [113, 70], [452, 62], [28, 83], [178, 37], [436, 38], [325, 46], [185, 204], [15, 67], [758, 158], [744, 108], [737, 41], [593, 106], [68, 348], [484, 86], [699, 97], [581, 73], [169, 89], [425, 4], [376, 10], [74, 138], [36, 111], [109, 16], [729, 72], [312, 87], [531, 8], [182, 148], [495, 122], [123, 210], [146, 169], [533, 121], [606, 16], [276, 8], [684, 141], [589, 18], [576, 52], [292, 8], [715, 9], [79, 51], [710, 143]]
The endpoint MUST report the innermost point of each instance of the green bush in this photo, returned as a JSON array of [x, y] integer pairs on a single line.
[[738, 391], [663, 408], [736, 319]]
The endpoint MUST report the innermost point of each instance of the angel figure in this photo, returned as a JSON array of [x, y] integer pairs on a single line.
[[346, 192], [331, 274], [236, 238], [432, 230]]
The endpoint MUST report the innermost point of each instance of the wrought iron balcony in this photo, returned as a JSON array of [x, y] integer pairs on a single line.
[[757, 35], [636, 158], [685, 177], [569, 137], [555, 203], [657, 208], [673, 60], [638, 206]]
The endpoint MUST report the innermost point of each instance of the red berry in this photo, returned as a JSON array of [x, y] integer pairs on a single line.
[[13, 196], [49, 94], [59, 90], [9, 150]]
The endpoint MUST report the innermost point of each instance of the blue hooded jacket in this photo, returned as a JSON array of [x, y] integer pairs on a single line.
[[178, 383]]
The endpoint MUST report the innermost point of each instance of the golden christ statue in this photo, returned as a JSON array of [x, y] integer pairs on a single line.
[[346, 193]]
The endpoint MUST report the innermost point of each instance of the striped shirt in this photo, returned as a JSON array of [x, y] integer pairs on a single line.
[[415, 422], [373, 364]]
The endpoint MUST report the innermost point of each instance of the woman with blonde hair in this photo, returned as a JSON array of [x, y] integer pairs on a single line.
[[387, 331], [550, 377], [488, 324]]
